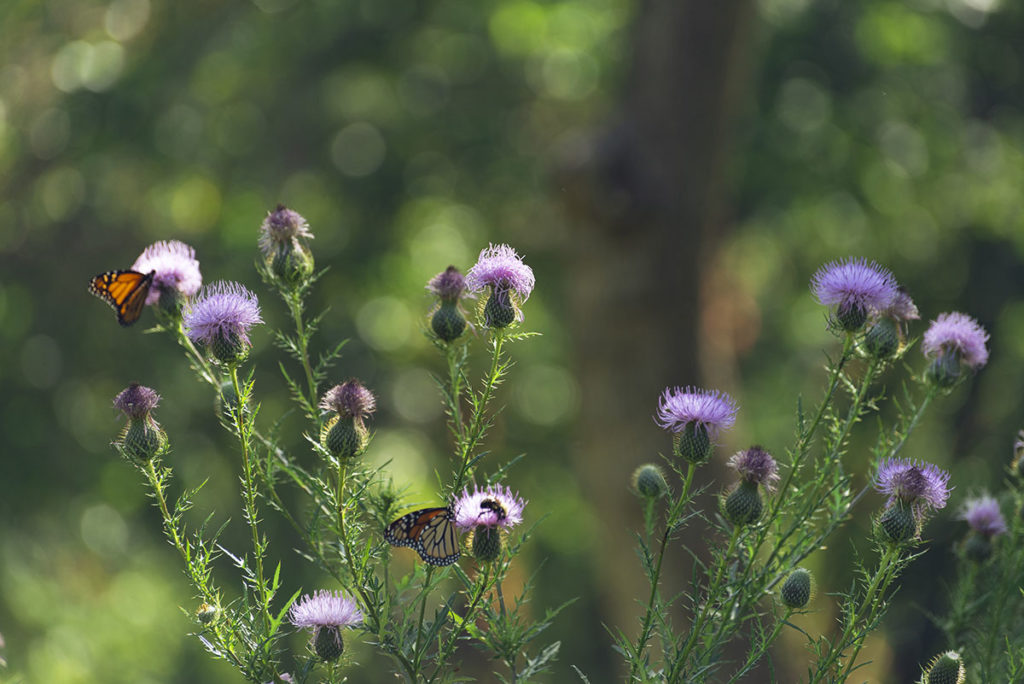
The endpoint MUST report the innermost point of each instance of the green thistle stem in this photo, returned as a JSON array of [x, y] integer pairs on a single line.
[[249, 494], [648, 622], [294, 301], [471, 437], [445, 652]]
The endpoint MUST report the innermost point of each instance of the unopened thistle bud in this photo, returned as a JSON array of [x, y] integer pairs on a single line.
[[282, 242], [345, 434], [897, 524], [142, 437], [649, 481], [448, 322], [947, 668], [486, 544], [796, 590], [743, 506], [882, 340]]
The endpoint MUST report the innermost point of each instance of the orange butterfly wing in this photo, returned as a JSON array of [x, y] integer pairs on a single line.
[[430, 531], [125, 291]]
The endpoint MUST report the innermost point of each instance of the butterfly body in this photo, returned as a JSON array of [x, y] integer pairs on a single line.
[[430, 531], [125, 291]]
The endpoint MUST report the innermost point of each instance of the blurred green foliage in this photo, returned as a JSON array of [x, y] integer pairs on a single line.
[[409, 135]]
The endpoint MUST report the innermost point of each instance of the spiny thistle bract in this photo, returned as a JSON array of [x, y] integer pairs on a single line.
[[648, 481], [345, 434], [946, 668], [695, 417], [326, 612], [510, 281], [448, 322], [218, 320], [142, 437], [286, 257], [856, 288], [954, 341], [796, 591]]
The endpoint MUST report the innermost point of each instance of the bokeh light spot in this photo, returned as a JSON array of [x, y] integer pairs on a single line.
[[358, 149], [415, 395], [50, 132], [195, 204], [385, 323], [546, 395], [61, 192], [519, 27], [104, 530], [125, 19]]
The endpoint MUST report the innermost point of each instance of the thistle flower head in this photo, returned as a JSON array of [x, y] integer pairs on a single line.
[[983, 516], [177, 271], [492, 507], [945, 668], [221, 316], [327, 612], [959, 334], [325, 609], [448, 285], [679, 406], [913, 483], [350, 399], [902, 307], [499, 267], [856, 287], [756, 466], [136, 401], [281, 227]]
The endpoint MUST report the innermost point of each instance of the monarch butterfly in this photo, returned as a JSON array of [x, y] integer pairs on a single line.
[[430, 531], [126, 291]]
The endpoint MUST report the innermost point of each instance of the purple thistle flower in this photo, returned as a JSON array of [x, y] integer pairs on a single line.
[[958, 334], [678, 407], [351, 399], [221, 316], [136, 401], [902, 307], [280, 228], [983, 516], [325, 609], [448, 285], [856, 287], [493, 507], [502, 269], [913, 483], [327, 612], [177, 271], [755, 465]]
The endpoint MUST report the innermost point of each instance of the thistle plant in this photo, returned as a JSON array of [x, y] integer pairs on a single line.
[[788, 502], [416, 610], [984, 622]]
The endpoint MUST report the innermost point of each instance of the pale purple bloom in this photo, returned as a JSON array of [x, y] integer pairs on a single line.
[[325, 609], [495, 506], [176, 269], [959, 333], [502, 269], [854, 284], [903, 307], [983, 516], [223, 310], [755, 465], [677, 407], [281, 227], [448, 285], [350, 398], [914, 483], [135, 401]]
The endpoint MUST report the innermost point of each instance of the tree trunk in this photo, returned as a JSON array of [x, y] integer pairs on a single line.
[[648, 203]]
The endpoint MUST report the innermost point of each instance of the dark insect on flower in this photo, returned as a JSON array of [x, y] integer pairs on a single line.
[[430, 531], [492, 505]]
